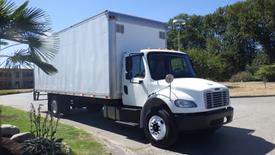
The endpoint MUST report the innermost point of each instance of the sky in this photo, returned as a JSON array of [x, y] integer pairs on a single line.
[[64, 13]]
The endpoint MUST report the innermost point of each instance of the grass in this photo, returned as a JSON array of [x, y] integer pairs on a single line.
[[80, 141], [13, 91], [250, 88], [6, 92]]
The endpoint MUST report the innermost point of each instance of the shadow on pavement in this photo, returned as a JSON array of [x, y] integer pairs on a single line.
[[226, 141]]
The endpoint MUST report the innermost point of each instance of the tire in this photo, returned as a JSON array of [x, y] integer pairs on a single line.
[[58, 105], [94, 108], [160, 128]]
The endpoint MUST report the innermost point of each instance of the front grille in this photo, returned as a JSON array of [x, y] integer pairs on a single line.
[[216, 99]]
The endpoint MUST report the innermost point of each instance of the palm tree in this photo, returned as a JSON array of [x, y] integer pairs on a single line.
[[30, 27]]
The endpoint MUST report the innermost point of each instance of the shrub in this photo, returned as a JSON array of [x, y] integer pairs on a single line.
[[43, 127], [207, 64], [46, 141], [242, 77], [266, 72], [260, 59], [42, 146]]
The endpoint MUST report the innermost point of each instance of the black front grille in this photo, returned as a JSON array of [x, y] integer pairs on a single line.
[[216, 99]]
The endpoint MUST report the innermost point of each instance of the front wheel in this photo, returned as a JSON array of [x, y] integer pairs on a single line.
[[160, 128]]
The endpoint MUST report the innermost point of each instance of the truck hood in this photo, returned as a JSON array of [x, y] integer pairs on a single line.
[[191, 89], [193, 84]]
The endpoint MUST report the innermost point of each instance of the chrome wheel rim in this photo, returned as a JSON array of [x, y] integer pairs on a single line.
[[54, 106], [157, 127]]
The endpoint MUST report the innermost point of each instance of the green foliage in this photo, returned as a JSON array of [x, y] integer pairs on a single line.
[[44, 129], [266, 72], [26, 26], [237, 32], [43, 146], [192, 34], [6, 92], [207, 64], [257, 20], [242, 77], [260, 59]]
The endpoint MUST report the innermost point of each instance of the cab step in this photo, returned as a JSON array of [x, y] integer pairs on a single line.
[[123, 114]]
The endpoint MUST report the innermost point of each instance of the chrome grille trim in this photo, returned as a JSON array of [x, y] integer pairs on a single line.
[[215, 99]]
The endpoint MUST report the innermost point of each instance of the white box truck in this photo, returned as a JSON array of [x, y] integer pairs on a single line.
[[118, 64]]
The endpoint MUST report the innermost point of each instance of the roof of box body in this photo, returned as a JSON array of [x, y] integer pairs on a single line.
[[125, 18]]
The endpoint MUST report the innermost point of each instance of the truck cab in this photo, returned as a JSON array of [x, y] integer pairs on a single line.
[[164, 85]]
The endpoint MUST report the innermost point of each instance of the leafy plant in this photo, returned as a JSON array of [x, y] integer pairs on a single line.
[[260, 59], [46, 141], [29, 27], [266, 72], [43, 127], [242, 77], [42, 146], [207, 64]]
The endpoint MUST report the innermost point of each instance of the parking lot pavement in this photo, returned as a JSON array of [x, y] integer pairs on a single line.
[[251, 132]]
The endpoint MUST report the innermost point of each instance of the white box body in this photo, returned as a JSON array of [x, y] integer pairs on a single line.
[[90, 54]]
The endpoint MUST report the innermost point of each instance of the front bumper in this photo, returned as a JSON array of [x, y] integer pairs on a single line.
[[204, 120]]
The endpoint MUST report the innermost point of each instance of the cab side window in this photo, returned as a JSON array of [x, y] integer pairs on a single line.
[[137, 67]]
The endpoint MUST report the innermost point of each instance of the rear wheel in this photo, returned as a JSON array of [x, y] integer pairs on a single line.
[[160, 128], [58, 105]]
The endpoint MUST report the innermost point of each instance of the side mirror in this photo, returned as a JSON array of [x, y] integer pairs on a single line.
[[169, 78]]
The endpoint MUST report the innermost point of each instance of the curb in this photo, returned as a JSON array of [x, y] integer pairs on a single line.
[[252, 96]]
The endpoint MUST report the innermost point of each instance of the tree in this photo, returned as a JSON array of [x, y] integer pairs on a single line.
[[192, 34], [236, 47], [257, 19], [266, 72], [28, 26], [236, 32], [207, 64]]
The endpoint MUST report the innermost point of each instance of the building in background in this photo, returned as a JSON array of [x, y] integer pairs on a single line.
[[16, 78]]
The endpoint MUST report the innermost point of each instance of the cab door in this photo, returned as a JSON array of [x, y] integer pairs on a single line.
[[134, 83]]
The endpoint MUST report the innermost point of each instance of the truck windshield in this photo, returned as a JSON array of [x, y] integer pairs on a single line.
[[163, 63]]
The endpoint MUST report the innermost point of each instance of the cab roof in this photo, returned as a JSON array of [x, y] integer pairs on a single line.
[[160, 50]]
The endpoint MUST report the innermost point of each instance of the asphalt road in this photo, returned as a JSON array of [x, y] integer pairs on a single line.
[[252, 131]]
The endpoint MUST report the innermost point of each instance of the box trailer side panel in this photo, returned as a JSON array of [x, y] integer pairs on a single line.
[[82, 61]]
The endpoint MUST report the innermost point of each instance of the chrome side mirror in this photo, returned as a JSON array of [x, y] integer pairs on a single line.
[[169, 78]]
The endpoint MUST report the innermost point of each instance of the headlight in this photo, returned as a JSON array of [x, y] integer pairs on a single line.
[[185, 103]]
